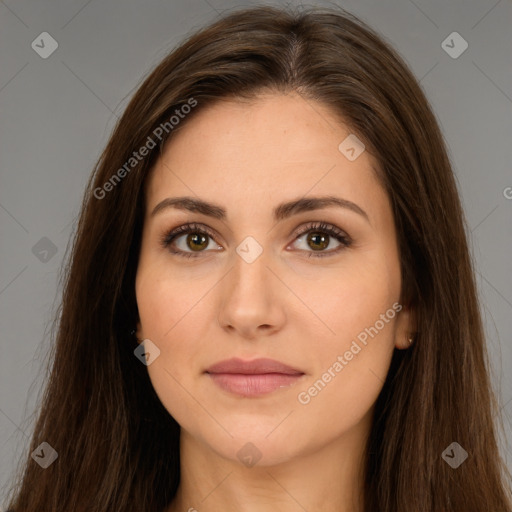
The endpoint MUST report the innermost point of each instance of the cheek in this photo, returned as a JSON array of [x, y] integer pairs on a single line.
[[354, 342], [349, 369], [335, 402], [344, 302], [173, 314], [163, 299]]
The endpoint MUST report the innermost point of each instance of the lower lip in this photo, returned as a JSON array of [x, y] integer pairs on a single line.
[[253, 385]]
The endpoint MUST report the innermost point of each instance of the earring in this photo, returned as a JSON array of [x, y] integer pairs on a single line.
[[410, 339]]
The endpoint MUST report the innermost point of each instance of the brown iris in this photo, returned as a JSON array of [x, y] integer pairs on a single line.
[[319, 239], [198, 241]]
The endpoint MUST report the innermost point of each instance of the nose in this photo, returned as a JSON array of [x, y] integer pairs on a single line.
[[253, 297]]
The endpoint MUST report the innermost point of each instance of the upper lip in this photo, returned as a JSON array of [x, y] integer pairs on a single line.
[[253, 367]]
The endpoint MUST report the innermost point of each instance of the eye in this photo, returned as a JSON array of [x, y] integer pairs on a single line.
[[197, 240], [319, 237]]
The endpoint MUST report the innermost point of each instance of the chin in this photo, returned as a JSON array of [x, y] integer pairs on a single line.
[[258, 443]]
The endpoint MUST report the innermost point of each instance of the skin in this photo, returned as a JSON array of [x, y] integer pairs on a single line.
[[248, 157]]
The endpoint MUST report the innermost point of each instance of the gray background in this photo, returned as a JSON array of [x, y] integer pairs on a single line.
[[57, 113]]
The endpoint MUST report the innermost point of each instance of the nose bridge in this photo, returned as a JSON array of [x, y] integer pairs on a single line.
[[250, 275], [250, 297]]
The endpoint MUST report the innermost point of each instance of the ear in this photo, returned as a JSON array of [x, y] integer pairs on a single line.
[[405, 328]]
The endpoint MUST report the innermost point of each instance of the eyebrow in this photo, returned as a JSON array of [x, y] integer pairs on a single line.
[[281, 212]]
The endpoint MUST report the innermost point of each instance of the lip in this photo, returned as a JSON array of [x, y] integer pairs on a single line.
[[253, 367], [253, 378]]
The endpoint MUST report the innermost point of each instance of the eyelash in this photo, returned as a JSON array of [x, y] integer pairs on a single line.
[[322, 227]]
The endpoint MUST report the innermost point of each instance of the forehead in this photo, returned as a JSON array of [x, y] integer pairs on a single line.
[[272, 148]]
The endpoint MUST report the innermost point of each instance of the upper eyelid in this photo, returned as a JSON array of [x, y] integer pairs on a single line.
[[320, 225]]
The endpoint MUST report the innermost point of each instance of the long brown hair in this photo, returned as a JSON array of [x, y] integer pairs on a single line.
[[118, 448]]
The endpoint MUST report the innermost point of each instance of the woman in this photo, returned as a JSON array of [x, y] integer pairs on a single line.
[[270, 303]]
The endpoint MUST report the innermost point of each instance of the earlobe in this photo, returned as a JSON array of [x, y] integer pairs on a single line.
[[405, 330], [137, 333]]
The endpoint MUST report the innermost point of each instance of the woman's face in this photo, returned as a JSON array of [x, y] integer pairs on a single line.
[[258, 277]]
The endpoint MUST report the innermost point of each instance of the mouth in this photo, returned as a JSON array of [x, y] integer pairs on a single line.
[[253, 378]]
